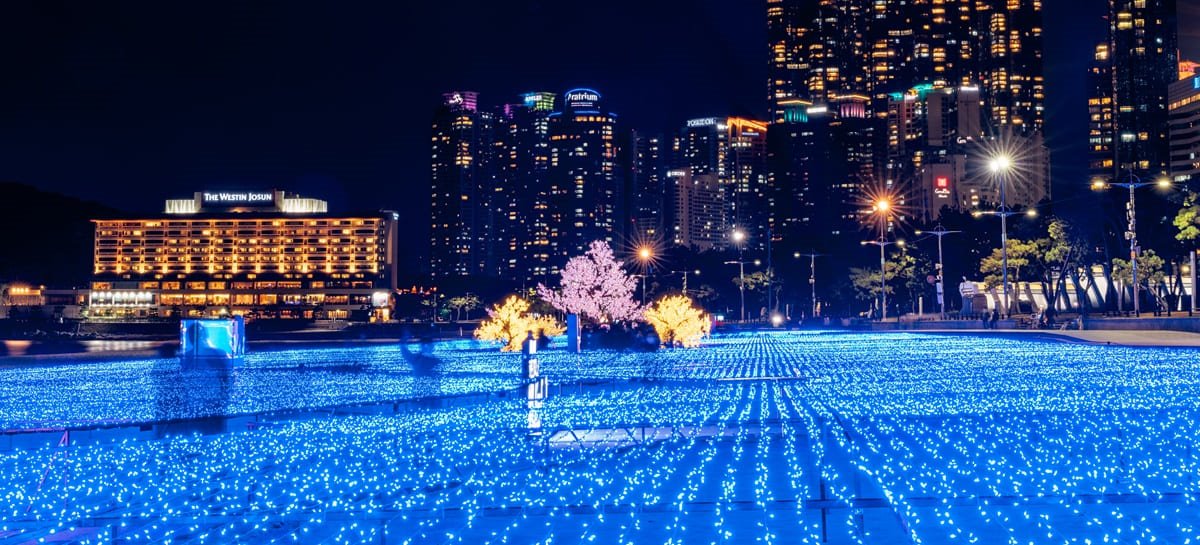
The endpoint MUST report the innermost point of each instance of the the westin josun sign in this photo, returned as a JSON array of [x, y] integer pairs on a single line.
[[237, 198]]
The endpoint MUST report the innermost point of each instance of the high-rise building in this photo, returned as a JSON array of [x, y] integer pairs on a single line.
[[583, 177], [817, 50], [1134, 68], [823, 52], [648, 190], [734, 150], [1184, 109], [1008, 66], [1129, 109], [462, 177], [823, 161], [698, 218], [1101, 114], [523, 190]]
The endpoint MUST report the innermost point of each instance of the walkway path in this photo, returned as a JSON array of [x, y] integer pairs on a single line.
[[1122, 338]]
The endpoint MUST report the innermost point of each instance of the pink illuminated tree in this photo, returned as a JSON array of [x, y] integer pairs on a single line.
[[595, 286]]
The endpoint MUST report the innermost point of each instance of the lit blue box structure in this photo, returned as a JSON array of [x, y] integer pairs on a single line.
[[219, 339]]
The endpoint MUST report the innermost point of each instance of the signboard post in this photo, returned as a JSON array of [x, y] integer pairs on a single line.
[[573, 333]]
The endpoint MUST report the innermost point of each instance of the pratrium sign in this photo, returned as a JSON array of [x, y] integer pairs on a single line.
[[237, 198], [582, 98]]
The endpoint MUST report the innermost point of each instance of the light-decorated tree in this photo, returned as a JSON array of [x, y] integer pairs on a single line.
[[595, 286], [1150, 273], [1187, 221], [463, 305], [510, 323], [677, 321]]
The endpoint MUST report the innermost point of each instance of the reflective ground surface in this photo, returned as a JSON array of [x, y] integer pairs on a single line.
[[757, 438]]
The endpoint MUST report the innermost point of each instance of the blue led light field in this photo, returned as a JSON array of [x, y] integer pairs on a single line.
[[755, 438]]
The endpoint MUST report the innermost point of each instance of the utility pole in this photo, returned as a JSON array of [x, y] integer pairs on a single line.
[[940, 232], [812, 277]]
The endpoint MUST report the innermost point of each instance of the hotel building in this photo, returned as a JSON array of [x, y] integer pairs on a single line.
[[256, 254]]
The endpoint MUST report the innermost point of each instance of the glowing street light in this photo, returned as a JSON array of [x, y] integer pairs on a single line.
[[1131, 231], [940, 232], [645, 255], [881, 207], [1001, 166], [685, 274], [739, 236]]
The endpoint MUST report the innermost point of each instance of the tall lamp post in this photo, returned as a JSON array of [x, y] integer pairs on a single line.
[[812, 276], [1001, 167], [645, 254], [940, 232], [685, 274], [1131, 231], [882, 208], [739, 237]]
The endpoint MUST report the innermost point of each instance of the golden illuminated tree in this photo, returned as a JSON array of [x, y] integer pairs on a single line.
[[510, 323], [678, 322], [546, 326]]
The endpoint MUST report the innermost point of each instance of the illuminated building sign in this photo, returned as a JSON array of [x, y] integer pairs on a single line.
[[539, 101], [582, 98], [237, 198], [941, 187], [704, 122]]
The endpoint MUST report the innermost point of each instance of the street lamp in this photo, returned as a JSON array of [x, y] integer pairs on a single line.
[[738, 237], [940, 232], [1131, 232], [1001, 166], [883, 270], [644, 254], [882, 207], [685, 274], [812, 276]]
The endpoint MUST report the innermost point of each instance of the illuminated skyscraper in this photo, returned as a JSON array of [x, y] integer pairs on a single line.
[[1132, 73], [1129, 123], [1101, 115], [461, 178], [823, 159], [817, 51], [647, 199], [824, 53], [734, 151], [1185, 129], [698, 210], [522, 194], [583, 178]]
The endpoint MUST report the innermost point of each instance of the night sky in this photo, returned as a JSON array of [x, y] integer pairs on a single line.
[[130, 103]]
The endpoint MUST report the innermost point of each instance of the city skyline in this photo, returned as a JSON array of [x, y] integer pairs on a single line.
[[654, 92]]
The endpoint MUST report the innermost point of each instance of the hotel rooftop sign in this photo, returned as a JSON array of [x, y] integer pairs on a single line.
[[246, 201], [221, 199]]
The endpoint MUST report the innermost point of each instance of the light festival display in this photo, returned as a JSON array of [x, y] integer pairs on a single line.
[[753, 438]]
